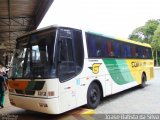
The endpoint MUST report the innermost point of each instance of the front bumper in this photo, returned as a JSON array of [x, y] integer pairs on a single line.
[[44, 105]]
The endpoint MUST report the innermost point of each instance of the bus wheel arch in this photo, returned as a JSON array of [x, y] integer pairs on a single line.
[[94, 94], [143, 79]]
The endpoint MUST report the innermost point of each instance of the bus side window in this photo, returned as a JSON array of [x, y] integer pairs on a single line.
[[149, 53], [91, 45], [122, 50], [66, 64], [128, 51], [133, 51], [116, 49], [104, 48], [140, 52], [79, 51], [99, 47], [144, 52], [109, 46], [137, 53], [125, 50]]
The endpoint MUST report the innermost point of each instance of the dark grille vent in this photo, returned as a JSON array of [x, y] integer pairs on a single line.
[[22, 92]]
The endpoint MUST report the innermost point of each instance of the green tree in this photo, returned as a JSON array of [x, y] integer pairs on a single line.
[[156, 43], [149, 30], [148, 34], [137, 34], [145, 33]]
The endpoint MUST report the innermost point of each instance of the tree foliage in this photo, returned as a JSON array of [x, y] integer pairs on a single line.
[[149, 33], [156, 39], [145, 33], [149, 30], [137, 34]]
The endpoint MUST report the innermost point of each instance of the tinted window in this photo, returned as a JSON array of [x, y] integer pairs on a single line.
[[95, 46], [128, 50], [71, 54], [133, 51], [91, 45], [124, 49], [66, 66], [103, 47], [109, 48], [66, 50], [98, 46], [140, 52], [148, 53], [144, 52], [116, 48], [79, 52]]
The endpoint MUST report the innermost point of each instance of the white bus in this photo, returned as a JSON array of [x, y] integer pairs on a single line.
[[56, 69]]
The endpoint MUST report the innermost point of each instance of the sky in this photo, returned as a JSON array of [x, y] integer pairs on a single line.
[[116, 18]]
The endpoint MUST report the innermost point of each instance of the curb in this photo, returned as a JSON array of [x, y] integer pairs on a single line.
[[83, 111], [78, 114], [157, 68]]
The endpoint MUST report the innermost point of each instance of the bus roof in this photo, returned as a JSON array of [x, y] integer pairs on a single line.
[[37, 30], [96, 33], [45, 28]]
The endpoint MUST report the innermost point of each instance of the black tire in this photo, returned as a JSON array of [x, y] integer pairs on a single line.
[[143, 84], [93, 96]]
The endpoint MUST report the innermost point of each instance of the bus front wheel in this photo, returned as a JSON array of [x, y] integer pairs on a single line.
[[143, 84], [93, 96]]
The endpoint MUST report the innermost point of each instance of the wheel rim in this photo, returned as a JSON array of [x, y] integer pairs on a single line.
[[93, 95]]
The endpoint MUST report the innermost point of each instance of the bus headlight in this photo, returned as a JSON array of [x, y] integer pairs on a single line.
[[41, 93]]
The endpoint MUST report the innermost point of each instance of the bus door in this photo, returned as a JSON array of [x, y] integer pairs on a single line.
[[66, 69]]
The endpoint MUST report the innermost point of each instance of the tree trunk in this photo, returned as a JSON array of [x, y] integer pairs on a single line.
[[156, 59]]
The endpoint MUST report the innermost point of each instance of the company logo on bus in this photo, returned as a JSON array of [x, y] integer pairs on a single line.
[[138, 64], [95, 68]]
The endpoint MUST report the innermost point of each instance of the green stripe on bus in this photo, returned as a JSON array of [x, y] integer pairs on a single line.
[[31, 85], [119, 71], [124, 70]]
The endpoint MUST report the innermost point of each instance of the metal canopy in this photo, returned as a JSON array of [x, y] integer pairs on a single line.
[[18, 17]]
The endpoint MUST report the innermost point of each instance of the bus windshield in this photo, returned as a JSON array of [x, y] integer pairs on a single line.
[[34, 56]]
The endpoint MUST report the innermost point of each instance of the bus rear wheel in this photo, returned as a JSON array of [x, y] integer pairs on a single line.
[[93, 96], [144, 79]]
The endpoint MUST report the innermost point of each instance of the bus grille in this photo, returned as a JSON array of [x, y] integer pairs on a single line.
[[26, 92]]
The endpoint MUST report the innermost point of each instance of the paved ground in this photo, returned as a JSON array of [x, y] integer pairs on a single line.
[[134, 100]]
